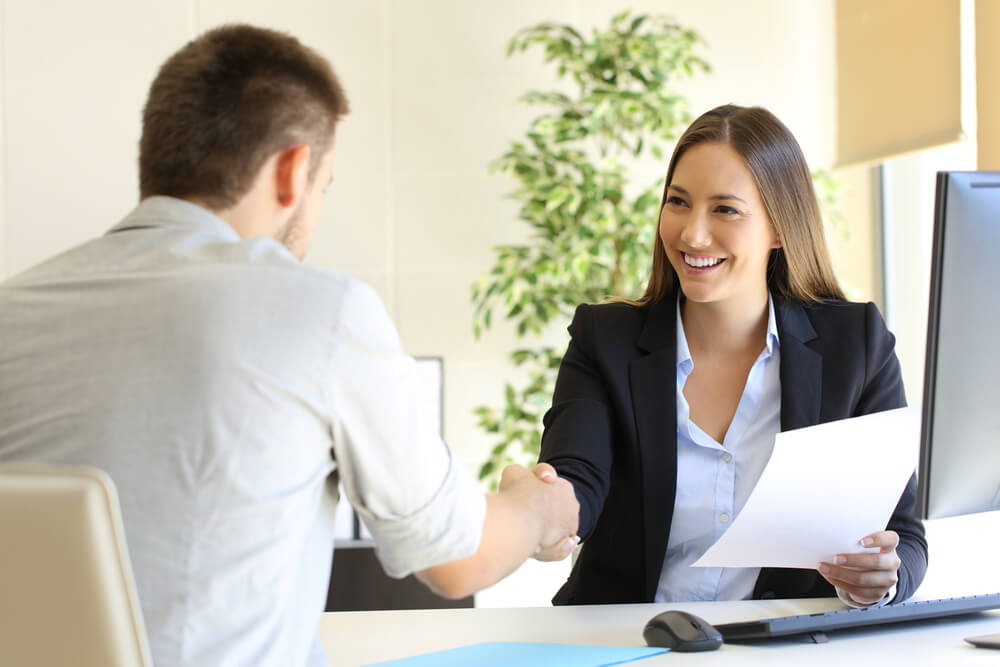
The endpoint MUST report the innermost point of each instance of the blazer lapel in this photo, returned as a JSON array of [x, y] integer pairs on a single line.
[[653, 380], [801, 368], [801, 395]]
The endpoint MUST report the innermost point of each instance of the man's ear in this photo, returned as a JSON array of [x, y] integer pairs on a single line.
[[292, 175]]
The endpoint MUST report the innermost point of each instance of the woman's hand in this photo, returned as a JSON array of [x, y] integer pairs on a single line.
[[566, 545], [866, 577]]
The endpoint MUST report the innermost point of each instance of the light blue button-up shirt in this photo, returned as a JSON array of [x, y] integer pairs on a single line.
[[211, 377], [715, 479]]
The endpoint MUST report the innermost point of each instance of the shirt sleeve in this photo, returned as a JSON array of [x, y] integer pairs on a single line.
[[421, 507]]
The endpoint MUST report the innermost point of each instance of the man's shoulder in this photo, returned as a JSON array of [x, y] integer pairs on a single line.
[[274, 268], [262, 267], [209, 278], [290, 295]]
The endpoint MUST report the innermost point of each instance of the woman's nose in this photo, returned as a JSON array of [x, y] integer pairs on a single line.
[[696, 232]]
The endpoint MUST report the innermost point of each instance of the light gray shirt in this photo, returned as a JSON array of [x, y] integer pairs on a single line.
[[225, 387]]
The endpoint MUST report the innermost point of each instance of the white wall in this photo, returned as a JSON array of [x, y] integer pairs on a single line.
[[412, 210], [74, 84]]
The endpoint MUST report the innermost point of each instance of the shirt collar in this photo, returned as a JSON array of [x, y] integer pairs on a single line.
[[169, 212], [772, 327], [773, 341], [683, 351]]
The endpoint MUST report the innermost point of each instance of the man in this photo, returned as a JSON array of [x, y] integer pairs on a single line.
[[226, 388]]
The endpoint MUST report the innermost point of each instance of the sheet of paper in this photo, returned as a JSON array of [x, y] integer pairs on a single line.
[[825, 488], [532, 654]]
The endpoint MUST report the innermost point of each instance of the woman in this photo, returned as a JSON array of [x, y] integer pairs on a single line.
[[666, 408]]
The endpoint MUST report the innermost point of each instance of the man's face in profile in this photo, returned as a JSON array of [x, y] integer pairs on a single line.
[[297, 234]]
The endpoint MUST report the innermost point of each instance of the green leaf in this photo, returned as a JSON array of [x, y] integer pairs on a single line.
[[557, 198], [620, 18]]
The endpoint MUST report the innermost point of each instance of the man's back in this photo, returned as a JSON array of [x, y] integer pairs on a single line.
[[219, 382], [191, 367]]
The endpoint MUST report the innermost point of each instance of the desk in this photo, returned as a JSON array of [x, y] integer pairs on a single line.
[[358, 638]]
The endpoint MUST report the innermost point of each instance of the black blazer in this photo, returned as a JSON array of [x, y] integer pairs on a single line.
[[612, 432]]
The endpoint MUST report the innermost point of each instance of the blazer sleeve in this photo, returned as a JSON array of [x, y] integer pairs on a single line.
[[883, 390], [576, 439]]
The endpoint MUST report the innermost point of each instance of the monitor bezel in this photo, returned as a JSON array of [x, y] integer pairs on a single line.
[[931, 347]]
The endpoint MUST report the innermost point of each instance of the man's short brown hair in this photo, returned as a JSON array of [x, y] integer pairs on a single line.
[[225, 103]]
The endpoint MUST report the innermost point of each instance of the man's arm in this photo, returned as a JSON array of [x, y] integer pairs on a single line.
[[530, 512], [420, 506]]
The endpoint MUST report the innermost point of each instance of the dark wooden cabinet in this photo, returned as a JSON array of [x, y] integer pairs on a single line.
[[358, 583]]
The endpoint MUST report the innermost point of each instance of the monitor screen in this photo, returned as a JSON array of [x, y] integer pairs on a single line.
[[960, 435]]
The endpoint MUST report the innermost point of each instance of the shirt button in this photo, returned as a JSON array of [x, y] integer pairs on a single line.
[[724, 518], [727, 458]]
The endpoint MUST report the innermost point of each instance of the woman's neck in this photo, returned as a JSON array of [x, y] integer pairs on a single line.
[[733, 326]]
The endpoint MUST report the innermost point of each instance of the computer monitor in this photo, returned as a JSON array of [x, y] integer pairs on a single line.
[[959, 470]]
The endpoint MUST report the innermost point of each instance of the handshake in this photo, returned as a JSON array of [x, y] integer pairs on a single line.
[[551, 500], [534, 513]]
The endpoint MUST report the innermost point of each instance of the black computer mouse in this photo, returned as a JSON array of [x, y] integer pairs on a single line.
[[681, 631]]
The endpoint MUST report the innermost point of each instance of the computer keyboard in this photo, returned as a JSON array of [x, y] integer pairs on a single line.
[[850, 618]]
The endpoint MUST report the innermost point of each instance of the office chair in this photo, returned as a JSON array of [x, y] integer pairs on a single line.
[[67, 596]]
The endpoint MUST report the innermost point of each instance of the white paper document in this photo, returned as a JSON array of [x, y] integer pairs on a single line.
[[825, 488]]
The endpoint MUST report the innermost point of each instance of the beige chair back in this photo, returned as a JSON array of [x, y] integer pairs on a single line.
[[67, 595]]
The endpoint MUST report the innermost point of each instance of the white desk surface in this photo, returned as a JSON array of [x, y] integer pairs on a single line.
[[360, 638]]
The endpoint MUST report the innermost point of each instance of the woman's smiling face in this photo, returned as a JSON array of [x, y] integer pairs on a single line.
[[715, 228]]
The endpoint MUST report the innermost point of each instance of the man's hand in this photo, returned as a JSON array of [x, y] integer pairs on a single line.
[[866, 577], [564, 546], [527, 515]]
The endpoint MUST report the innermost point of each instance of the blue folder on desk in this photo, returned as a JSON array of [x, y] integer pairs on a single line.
[[531, 654]]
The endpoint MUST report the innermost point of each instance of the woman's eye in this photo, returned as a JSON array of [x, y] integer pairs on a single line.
[[674, 200], [727, 210]]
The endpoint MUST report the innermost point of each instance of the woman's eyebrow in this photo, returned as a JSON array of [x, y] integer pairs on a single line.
[[713, 197], [728, 196]]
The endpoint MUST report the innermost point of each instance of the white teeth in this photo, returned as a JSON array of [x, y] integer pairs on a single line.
[[701, 262]]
